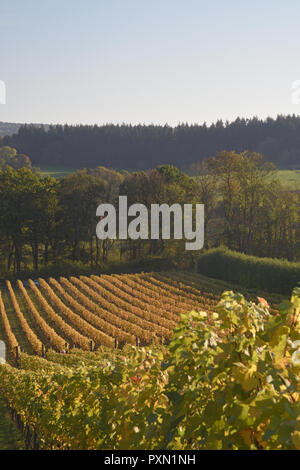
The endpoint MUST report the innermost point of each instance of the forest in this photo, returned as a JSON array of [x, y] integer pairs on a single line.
[[140, 147], [48, 222]]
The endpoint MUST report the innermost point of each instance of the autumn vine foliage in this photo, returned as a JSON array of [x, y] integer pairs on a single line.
[[56, 341], [227, 380], [31, 336], [239, 390], [12, 341]]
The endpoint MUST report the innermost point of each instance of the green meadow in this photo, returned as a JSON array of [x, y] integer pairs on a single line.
[[56, 172], [290, 178]]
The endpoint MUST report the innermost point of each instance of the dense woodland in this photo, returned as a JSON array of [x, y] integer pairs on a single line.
[[146, 146], [46, 221]]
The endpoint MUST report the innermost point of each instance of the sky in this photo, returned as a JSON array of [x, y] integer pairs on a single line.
[[142, 61]]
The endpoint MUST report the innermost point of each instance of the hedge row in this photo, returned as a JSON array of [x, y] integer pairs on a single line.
[[272, 275]]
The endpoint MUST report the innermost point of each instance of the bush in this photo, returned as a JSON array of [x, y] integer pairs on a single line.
[[77, 268], [272, 275]]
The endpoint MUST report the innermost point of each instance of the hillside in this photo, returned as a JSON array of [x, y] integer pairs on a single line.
[[225, 378], [109, 310]]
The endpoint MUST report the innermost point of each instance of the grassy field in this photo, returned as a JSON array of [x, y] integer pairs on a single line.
[[56, 172], [290, 178]]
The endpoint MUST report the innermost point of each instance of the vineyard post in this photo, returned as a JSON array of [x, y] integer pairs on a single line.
[[43, 350], [137, 341], [91, 345], [116, 343], [17, 356]]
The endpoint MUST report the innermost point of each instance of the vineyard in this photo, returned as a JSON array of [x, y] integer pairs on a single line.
[[106, 310], [150, 361]]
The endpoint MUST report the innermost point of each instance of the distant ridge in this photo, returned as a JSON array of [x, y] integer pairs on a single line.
[[10, 128]]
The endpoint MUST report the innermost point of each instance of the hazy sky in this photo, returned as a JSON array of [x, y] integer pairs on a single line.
[[150, 61]]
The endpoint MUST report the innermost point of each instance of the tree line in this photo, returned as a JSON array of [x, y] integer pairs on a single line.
[[47, 221], [137, 147]]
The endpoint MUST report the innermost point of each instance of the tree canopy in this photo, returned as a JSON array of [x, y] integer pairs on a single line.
[[147, 146]]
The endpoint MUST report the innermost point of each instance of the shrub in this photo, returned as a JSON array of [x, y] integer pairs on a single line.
[[273, 275]]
